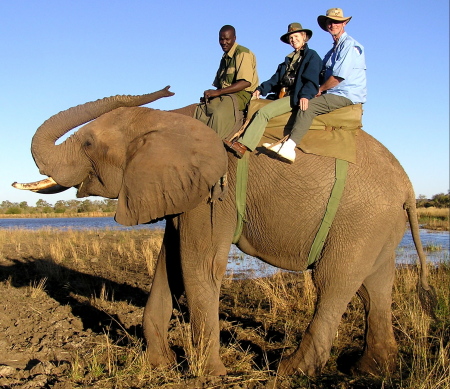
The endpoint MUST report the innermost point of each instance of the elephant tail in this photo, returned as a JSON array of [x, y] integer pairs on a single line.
[[427, 293]]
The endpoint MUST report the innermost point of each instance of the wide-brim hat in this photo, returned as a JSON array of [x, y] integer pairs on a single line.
[[293, 28], [334, 14]]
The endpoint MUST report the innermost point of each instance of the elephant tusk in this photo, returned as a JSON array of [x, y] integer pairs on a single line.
[[37, 185]]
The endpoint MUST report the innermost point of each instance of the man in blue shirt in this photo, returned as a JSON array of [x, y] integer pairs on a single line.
[[344, 81]]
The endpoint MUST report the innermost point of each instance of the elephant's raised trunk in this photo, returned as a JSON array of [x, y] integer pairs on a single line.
[[64, 162]]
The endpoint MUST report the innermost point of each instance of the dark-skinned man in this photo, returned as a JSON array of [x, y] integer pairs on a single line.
[[235, 81]]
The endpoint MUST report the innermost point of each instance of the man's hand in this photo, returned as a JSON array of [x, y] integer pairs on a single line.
[[210, 93], [303, 103], [233, 88], [328, 84]]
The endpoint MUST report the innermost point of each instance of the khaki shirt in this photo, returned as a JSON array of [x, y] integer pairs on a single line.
[[238, 64]]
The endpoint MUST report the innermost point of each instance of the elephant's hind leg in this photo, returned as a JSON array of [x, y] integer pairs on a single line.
[[380, 349], [314, 349]]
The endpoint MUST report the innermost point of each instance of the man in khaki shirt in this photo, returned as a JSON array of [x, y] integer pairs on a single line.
[[235, 80]]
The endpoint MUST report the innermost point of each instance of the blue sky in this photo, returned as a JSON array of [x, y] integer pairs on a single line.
[[57, 54]]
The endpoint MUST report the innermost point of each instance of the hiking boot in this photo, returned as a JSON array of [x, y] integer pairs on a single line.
[[237, 148]]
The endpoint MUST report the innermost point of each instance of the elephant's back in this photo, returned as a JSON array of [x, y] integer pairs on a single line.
[[376, 164], [377, 187]]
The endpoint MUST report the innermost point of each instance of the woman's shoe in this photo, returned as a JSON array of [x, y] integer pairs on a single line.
[[285, 150]]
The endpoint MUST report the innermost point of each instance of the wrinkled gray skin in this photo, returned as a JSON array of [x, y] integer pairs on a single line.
[[164, 164]]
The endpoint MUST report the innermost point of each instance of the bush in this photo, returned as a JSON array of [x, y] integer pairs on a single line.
[[13, 211], [440, 200]]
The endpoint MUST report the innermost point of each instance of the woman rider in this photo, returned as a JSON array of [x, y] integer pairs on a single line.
[[296, 81]]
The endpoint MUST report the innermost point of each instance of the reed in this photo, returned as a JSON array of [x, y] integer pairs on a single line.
[[37, 288], [434, 218], [440, 213]]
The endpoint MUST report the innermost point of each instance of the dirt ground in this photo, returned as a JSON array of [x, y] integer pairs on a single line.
[[76, 323], [41, 331], [52, 317], [48, 328], [72, 318]]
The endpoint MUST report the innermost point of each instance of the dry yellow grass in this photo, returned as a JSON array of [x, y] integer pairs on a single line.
[[424, 348], [84, 246], [263, 319], [423, 343], [434, 212]]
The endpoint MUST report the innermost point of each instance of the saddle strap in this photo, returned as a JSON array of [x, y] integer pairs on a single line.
[[341, 169], [330, 212], [241, 195]]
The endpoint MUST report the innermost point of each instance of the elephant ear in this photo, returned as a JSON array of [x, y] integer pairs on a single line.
[[170, 169]]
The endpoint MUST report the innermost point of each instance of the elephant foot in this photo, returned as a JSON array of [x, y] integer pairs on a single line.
[[291, 366], [372, 366], [216, 368], [161, 360]]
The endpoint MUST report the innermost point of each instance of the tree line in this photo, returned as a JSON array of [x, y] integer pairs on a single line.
[[440, 200], [61, 206]]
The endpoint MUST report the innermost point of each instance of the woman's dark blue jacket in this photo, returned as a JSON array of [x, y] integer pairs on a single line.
[[306, 80]]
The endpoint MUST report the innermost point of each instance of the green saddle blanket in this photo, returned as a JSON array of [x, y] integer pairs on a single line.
[[331, 135]]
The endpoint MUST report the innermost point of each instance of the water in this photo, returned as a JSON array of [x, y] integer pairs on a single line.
[[238, 263], [435, 243], [74, 223], [242, 265]]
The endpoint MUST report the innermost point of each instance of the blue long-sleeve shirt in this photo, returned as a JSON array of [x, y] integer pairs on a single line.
[[306, 82]]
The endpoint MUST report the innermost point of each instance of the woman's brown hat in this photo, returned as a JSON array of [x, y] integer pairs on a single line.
[[334, 14], [293, 28]]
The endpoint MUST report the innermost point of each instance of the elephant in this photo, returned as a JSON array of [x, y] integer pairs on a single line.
[[165, 164]]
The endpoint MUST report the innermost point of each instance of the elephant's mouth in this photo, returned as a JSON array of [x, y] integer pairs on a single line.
[[45, 186]]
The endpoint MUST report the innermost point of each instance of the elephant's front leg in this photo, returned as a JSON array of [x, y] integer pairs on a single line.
[[167, 284], [204, 256], [202, 276]]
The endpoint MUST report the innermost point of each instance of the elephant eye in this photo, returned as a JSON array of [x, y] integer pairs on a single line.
[[87, 143]]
